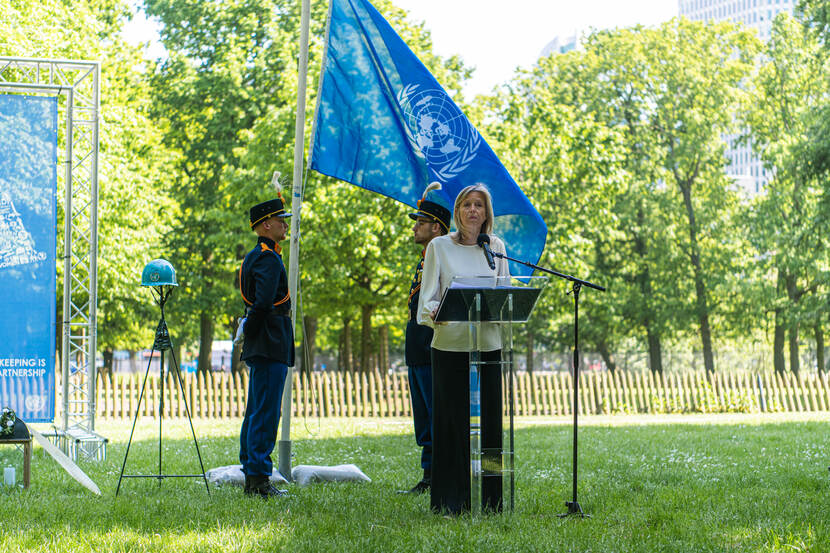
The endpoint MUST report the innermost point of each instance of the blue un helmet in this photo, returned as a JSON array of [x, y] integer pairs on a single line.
[[158, 272]]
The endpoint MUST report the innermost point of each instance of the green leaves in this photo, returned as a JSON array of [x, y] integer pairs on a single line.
[[620, 145], [133, 206], [788, 222]]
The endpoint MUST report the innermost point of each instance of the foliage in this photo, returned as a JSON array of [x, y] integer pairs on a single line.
[[225, 61], [731, 401], [356, 249], [692, 91], [568, 163], [814, 146], [133, 208], [620, 146], [788, 223]]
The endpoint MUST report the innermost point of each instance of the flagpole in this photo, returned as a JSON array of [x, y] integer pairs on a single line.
[[296, 209]]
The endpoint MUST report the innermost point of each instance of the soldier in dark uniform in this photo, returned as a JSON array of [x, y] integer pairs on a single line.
[[431, 220], [268, 343]]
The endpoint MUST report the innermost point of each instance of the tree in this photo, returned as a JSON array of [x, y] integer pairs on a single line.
[[621, 146], [694, 87], [226, 63], [790, 221], [569, 163], [131, 213], [356, 251], [634, 252]]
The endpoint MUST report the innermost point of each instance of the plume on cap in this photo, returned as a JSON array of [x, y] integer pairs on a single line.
[[275, 180], [279, 183], [434, 208], [432, 186]]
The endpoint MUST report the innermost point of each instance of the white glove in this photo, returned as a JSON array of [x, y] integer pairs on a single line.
[[240, 335]]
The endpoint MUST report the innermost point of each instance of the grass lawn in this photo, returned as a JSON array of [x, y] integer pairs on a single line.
[[670, 483]]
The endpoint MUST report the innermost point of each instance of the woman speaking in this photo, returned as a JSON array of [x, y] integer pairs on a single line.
[[458, 255]]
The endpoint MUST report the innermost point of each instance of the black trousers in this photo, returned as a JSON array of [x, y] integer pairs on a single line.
[[450, 489]]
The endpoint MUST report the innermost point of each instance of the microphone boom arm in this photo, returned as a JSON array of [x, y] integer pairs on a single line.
[[551, 271]]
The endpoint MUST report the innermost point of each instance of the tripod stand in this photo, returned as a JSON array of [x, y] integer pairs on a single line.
[[161, 344]]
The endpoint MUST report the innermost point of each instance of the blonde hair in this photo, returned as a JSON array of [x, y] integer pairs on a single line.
[[487, 225]]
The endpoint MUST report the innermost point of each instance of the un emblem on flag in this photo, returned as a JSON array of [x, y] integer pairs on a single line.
[[438, 131]]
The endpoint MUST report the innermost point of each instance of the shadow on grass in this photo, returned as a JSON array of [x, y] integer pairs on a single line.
[[655, 484]]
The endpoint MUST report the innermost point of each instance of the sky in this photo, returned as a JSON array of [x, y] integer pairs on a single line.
[[495, 37]]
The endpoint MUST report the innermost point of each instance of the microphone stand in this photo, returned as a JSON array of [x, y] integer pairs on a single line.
[[577, 284]]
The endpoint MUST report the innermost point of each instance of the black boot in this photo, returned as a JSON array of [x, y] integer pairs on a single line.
[[422, 486], [261, 486], [247, 485]]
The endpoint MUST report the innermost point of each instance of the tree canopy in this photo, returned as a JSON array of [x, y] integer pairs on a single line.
[[620, 144]]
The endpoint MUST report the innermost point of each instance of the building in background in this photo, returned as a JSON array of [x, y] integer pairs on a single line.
[[747, 170], [560, 45], [757, 14]]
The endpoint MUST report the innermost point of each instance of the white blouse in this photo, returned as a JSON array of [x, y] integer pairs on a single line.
[[443, 260]]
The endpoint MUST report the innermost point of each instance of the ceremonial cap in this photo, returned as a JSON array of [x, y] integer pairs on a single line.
[[430, 207], [271, 208]]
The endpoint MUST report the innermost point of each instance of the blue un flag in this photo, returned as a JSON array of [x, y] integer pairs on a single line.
[[385, 124]]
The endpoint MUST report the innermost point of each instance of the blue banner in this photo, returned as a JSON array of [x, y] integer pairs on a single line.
[[28, 181], [385, 124]]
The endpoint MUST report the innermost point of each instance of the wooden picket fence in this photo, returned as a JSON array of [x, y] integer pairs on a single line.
[[332, 394]]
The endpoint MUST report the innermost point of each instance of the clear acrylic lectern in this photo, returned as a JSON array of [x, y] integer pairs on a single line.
[[490, 304]]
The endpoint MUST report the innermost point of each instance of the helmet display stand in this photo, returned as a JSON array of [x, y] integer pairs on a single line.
[[160, 276]]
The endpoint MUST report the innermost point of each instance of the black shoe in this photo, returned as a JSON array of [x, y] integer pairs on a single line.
[[247, 485], [261, 486], [269, 491], [420, 487], [417, 489]]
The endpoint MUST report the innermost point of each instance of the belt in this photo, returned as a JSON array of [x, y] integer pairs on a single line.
[[279, 311]]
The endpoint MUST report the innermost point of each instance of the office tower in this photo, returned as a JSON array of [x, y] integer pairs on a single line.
[[745, 168], [560, 45]]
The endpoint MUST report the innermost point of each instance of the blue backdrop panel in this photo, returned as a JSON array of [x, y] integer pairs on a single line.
[[28, 181]]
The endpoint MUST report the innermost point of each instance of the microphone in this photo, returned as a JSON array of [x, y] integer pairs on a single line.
[[483, 242]]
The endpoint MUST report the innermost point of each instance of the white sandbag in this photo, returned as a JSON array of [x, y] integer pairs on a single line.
[[306, 474], [233, 475]]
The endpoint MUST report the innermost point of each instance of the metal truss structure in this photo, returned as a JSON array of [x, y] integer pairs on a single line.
[[77, 85]]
